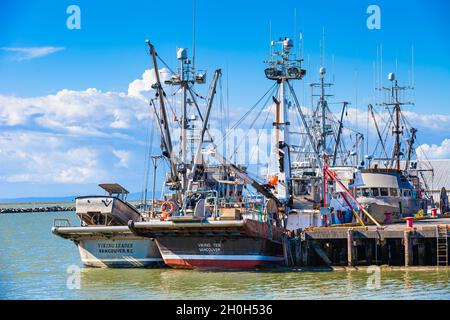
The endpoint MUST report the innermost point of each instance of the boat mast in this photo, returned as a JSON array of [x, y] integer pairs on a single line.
[[397, 129], [323, 104], [197, 157], [184, 77], [167, 141], [282, 140], [319, 123], [411, 141], [282, 67], [338, 138]]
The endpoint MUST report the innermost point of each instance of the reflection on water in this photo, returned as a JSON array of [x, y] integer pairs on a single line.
[[33, 264]]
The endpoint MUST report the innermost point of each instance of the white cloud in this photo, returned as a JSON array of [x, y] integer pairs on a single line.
[[42, 158], [90, 112], [70, 135], [423, 122], [139, 87], [434, 151], [123, 156], [22, 54]]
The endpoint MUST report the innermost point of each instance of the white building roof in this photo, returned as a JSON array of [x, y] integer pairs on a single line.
[[441, 176]]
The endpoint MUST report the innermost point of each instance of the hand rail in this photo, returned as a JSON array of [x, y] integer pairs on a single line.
[[61, 223]]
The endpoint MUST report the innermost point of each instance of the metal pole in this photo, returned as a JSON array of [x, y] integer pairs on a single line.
[[184, 83], [155, 166]]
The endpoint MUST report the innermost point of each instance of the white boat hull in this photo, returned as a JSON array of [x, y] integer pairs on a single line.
[[119, 253]]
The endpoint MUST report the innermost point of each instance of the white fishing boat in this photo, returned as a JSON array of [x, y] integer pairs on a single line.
[[103, 238]]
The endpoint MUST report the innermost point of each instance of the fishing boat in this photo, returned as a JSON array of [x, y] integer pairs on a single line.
[[327, 139], [391, 185], [103, 238], [204, 227], [207, 222]]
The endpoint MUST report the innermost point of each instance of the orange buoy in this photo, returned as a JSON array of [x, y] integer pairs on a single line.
[[273, 181], [167, 211]]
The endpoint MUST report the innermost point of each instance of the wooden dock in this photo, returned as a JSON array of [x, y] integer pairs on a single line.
[[425, 244]]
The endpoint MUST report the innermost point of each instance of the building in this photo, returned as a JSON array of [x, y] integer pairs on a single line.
[[435, 175]]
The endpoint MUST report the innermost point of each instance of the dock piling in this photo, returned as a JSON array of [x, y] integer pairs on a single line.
[[350, 248], [305, 252], [407, 242]]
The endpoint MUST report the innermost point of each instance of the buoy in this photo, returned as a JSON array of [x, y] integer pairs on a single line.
[[167, 212], [409, 222], [434, 212]]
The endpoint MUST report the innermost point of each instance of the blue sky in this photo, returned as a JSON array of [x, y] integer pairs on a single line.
[[109, 53]]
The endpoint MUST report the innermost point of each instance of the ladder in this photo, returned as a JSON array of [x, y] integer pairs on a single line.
[[442, 245]]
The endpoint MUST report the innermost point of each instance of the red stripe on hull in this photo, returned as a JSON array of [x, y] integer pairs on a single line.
[[213, 264]]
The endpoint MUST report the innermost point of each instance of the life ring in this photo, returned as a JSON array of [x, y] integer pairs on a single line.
[[165, 212]]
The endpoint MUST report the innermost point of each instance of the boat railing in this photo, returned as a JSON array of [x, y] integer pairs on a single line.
[[61, 223], [214, 206], [211, 201]]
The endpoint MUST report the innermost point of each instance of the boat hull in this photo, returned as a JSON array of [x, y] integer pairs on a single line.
[[219, 252], [119, 253], [209, 244], [113, 247]]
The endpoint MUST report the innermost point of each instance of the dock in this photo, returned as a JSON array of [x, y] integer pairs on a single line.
[[423, 244]]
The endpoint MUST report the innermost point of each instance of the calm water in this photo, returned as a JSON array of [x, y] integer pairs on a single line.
[[34, 262]]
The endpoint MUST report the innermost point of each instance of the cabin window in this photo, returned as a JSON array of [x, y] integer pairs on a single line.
[[394, 192], [366, 192], [384, 192], [375, 192], [359, 193]]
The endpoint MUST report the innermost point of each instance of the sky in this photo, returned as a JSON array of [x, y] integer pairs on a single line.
[[74, 102]]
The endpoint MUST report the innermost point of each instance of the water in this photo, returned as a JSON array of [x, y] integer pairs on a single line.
[[34, 262]]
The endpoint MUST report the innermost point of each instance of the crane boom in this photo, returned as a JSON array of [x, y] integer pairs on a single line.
[[166, 138], [262, 189]]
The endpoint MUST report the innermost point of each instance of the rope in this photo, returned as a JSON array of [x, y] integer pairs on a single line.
[[259, 135], [164, 63], [245, 115]]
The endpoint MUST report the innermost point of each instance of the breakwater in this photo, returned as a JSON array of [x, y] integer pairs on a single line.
[[56, 208]]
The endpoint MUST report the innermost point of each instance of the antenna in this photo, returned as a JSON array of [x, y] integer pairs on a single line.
[[381, 64], [376, 76], [332, 66], [413, 80], [270, 38], [228, 103], [322, 48], [193, 34], [396, 65], [295, 26], [356, 98], [301, 45]]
